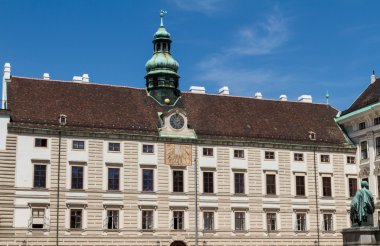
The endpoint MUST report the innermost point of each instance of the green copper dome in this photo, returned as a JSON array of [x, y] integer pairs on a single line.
[[161, 77]]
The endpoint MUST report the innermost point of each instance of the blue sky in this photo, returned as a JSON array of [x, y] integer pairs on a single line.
[[275, 47]]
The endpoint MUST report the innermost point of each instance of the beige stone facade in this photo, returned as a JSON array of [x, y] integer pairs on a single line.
[[130, 200]]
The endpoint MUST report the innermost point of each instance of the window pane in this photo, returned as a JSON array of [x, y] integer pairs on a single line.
[[147, 180], [352, 186], [78, 144], [363, 148], [239, 183], [76, 218], [208, 151], [271, 222], [327, 222], [114, 147], [239, 221], [148, 148], [113, 219], [269, 155], [238, 153], [300, 185], [40, 142], [178, 220], [76, 177], [208, 182], [301, 222], [39, 176], [326, 186], [147, 219], [271, 184], [177, 181], [113, 178], [208, 221]]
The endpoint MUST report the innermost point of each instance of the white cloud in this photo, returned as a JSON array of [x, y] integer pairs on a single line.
[[262, 38], [202, 6]]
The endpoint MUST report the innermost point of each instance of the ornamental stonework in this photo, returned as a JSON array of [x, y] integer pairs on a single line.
[[178, 154]]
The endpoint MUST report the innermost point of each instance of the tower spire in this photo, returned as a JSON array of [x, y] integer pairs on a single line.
[[161, 77]]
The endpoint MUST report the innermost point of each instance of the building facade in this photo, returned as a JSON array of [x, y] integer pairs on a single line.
[[90, 164]]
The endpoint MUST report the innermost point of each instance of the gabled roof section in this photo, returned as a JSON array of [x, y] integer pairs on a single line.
[[106, 108], [369, 96]]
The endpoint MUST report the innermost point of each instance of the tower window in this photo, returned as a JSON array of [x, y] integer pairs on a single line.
[[164, 47], [158, 46]]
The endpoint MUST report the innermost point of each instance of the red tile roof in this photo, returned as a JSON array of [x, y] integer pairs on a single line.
[[106, 108], [369, 96]]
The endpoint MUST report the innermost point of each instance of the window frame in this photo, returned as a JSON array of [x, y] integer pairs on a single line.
[[208, 152], [297, 186], [45, 176], [75, 216], [377, 146], [326, 186], [210, 182], [301, 227], [40, 142], [147, 182], [269, 219], [239, 153], [352, 189], [110, 216], [145, 149], [362, 125], [376, 121], [180, 225], [329, 227], [240, 221], [300, 157], [72, 177], [210, 218], [38, 217], [364, 151], [178, 184], [325, 158], [239, 183], [113, 148], [270, 187], [269, 155], [77, 145], [147, 219], [349, 159], [114, 187]]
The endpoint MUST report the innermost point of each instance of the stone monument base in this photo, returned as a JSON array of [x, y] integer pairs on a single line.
[[363, 235]]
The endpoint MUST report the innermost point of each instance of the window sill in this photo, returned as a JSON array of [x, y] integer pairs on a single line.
[[149, 192], [147, 230], [76, 190], [272, 231], [112, 230], [75, 230], [327, 198], [208, 194], [301, 232], [240, 194], [178, 230], [328, 232], [240, 231], [209, 231], [300, 197], [40, 189], [114, 191], [271, 196]]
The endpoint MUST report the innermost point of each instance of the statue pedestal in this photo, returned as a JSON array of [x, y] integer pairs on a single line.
[[363, 235]]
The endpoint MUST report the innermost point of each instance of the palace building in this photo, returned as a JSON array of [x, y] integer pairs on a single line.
[[91, 164]]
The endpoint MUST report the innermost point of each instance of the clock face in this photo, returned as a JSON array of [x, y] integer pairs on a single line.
[[177, 121]]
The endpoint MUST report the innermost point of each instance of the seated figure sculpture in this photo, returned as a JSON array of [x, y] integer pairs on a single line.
[[362, 207]]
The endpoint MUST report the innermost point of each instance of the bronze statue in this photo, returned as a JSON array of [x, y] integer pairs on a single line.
[[362, 207]]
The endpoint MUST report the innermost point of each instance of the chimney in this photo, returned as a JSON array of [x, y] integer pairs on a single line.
[[6, 77], [77, 78], [283, 98], [224, 90], [373, 77], [85, 77], [305, 98], [258, 95], [197, 89], [46, 76]]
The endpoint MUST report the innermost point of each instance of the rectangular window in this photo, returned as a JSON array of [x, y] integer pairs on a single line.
[[378, 146], [363, 150], [239, 183], [113, 178], [178, 220], [300, 185], [39, 176], [298, 157], [325, 158], [376, 121], [76, 177], [239, 221], [208, 182], [269, 155], [271, 184], [208, 152], [327, 222], [177, 181], [114, 147], [148, 179], [112, 219], [208, 221], [351, 160], [352, 186], [40, 142], [76, 218], [361, 125], [78, 144], [271, 222], [301, 222], [38, 216], [326, 182], [148, 148], [239, 153], [147, 220]]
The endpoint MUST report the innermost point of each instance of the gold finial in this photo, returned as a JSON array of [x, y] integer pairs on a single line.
[[162, 14], [167, 101]]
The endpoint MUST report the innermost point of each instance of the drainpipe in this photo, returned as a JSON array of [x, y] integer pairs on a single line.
[[58, 179], [316, 195], [196, 194]]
